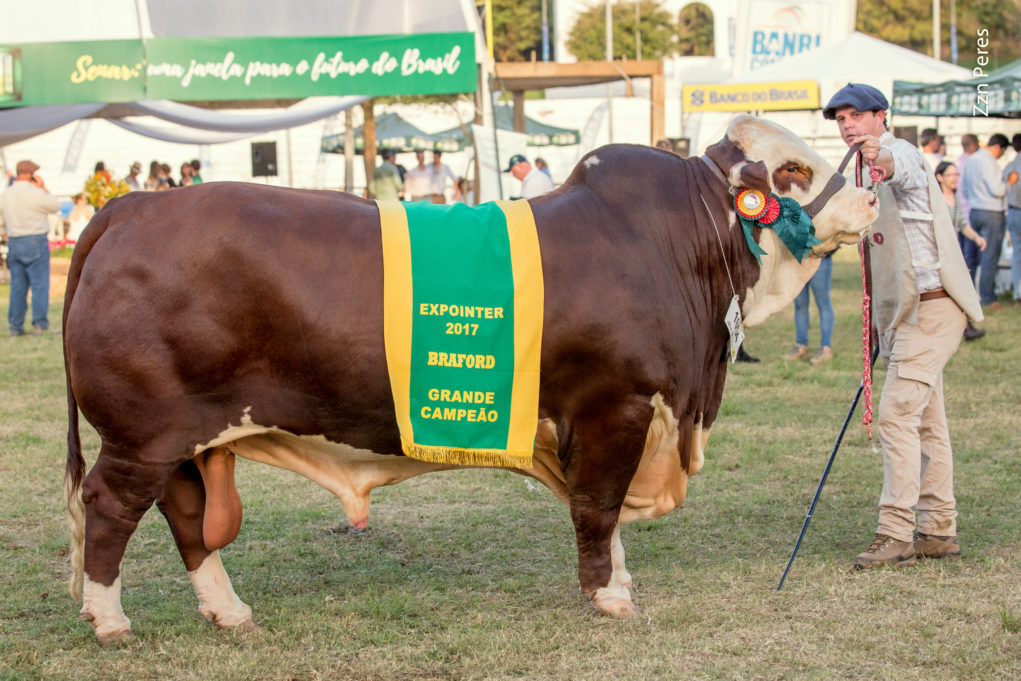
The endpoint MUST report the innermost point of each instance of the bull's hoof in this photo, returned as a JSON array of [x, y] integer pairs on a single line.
[[111, 630], [241, 620], [118, 637], [615, 603], [244, 625]]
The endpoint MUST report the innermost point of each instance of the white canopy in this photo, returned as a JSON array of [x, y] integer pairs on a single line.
[[858, 58]]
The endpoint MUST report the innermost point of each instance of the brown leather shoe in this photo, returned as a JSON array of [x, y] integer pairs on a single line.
[[798, 352], [932, 546], [885, 550]]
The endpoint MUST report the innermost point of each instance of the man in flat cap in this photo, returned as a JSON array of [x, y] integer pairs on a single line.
[[24, 217], [921, 299]]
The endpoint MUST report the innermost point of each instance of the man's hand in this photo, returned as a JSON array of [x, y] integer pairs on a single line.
[[873, 153], [870, 147]]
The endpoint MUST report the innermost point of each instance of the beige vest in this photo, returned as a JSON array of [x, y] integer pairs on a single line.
[[894, 286]]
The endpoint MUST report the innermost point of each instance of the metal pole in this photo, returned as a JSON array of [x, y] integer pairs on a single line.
[[609, 58], [638, 31], [545, 33], [826, 472], [953, 31], [935, 29]]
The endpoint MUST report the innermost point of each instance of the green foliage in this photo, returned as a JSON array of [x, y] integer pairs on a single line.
[[587, 38], [908, 23], [695, 31], [517, 29]]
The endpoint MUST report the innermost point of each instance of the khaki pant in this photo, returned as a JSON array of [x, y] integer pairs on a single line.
[[917, 459]]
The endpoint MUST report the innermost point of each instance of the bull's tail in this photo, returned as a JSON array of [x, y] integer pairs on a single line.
[[74, 471]]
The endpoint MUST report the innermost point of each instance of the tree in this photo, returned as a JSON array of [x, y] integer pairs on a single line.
[[517, 29], [695, 31], [908, 23], [587, 39]]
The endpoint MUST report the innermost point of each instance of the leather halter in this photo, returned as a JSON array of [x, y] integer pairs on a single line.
[[835, 183]]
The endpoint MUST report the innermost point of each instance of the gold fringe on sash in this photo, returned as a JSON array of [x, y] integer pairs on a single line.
[[496, 458]]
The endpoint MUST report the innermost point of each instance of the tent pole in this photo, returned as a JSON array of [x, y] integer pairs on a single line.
[[349, 150], [290, 159]]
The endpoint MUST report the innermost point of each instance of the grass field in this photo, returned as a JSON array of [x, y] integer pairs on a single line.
[[471, 574]]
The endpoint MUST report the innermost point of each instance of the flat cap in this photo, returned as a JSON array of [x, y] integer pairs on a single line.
[[861, 97], [26, 167]]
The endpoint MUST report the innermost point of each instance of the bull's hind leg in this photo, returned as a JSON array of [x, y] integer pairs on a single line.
[[183, 504], [604, 456], [115, 497]]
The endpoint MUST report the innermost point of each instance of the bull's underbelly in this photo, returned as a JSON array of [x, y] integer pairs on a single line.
[[658, 486]]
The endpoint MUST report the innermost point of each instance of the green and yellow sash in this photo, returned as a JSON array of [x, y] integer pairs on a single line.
[[462, 306]]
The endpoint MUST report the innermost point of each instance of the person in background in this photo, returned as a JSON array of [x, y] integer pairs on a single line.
[[930, 142], [152, 183], [819, 285], [165, 176], [982, 184], [24, 218], [132, 178], [1012, 176], [418, 181], [534, 182], [665, 144], [969, 145], [386, 182], [196, 175], [79, 217], [101, 172], [922, 297], [541, 164], [948, 176], [440, 174], [186, 175]]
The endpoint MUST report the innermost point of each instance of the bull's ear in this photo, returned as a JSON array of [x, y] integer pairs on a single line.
[[754, 175]]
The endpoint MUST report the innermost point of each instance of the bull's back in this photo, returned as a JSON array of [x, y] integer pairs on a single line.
[[224, 297]]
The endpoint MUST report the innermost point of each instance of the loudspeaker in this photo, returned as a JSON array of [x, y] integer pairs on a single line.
[[264, 159]]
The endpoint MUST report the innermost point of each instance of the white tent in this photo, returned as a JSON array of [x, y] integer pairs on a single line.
[[857, 58]]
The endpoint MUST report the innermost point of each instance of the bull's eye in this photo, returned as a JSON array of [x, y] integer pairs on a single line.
[[792, 169]]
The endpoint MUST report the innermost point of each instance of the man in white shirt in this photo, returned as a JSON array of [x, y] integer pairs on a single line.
[[418, 181], [534, 182], [24, 218], [440, 174]]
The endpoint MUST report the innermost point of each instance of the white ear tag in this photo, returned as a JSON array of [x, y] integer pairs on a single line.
[[735, 327]]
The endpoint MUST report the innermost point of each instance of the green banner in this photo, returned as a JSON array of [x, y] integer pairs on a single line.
[[35, 74], [272, 68], [196, 69]]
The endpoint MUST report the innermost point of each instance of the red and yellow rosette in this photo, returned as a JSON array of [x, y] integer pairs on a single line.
[[752, 204]]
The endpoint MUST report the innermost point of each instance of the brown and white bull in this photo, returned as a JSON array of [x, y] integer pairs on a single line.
[[232, 319]]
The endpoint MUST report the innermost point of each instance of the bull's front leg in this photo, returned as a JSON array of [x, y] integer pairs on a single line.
[[605, 451]]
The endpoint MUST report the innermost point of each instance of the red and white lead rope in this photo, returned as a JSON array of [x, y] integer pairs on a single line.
[[876, 175], [866, 338]]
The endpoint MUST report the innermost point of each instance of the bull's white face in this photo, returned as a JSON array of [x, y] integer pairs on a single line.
[[798, 172]]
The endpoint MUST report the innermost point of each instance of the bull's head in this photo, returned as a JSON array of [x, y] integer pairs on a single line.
[[768, 157]]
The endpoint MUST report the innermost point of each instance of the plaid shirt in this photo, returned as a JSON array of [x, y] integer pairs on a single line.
[[910, 185]]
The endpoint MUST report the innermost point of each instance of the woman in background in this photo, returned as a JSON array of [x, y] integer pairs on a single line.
[[948, 176]]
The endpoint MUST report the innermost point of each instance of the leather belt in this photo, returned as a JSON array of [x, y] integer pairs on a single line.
[[933, 295]]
